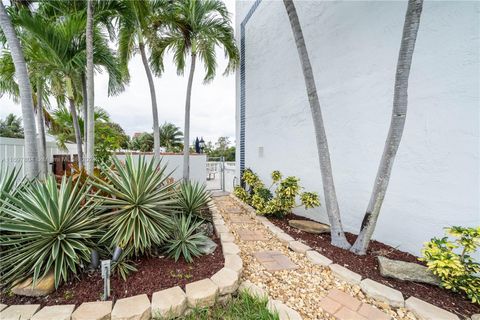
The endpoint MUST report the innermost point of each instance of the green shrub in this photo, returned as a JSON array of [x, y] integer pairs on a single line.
[[451, 262], [185, 239], [241, 194], [193, 198], [281, 201], [139, 204], [46, 227]]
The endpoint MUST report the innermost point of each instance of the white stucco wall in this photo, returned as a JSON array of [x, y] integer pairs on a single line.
[[174, 163], [353, 47]]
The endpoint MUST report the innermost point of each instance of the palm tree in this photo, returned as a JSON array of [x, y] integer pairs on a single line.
[[170, 136], [333, 211], [134, 26], [62, 54], [25, 91], [195, 28], [397, 124], [11, 127], [90, 134]]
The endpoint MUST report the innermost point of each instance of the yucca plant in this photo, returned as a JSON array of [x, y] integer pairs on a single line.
[[47, 227], [185, 238], [138, 205], [193, 198], [9, 180]]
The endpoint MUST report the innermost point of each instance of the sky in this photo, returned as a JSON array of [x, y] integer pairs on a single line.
[[212, 107]]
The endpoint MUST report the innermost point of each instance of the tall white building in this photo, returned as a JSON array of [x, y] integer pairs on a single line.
[[353, 47]]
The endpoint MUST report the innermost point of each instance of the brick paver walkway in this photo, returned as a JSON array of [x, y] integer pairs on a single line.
[[290, 277]]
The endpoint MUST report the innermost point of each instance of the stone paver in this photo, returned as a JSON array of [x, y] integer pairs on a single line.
[[252, 289], [372, 313], [201, 293], [346, 314], [169, 303], [19, 312], [234, 262], [99, 310], [60, 312], [345, 274], [284, 312], [284, 238], [219, 228], [43, 286], [317, 258], [226, 280], [230, 248], [132, 308], [251, 235], [226, 237], [329, 305], [299, 247], [383, 293], [241, 219], [345, 307], [3, 306], [274, 261], [427, 311], [345, 299]]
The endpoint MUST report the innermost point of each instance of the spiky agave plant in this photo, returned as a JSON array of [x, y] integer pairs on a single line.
[[9, 180], [193, 198], [139, 203], [185, 240], [46, 228]]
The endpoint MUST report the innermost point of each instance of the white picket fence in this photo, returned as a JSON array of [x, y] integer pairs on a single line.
[[12, 151]]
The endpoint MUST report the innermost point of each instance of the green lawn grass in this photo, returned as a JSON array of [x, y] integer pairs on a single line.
[[244, 307]]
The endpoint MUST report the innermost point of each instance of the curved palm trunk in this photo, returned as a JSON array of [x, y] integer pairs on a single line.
[[90, 120], [153, 96], [397, 124], [21, 73], [42, 141], [333, 211], [186, 135]]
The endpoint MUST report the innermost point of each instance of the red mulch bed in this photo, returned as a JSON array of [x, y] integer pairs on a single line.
[[154, 274], [367, 266]]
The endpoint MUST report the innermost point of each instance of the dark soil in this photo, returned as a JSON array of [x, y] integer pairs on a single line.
[[367, 266], [154, 274]]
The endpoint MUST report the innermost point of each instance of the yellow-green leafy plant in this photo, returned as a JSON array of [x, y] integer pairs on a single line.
[[451, 261], [241, 194], [279, 202]]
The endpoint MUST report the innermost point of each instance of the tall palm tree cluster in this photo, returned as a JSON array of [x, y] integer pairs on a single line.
[[51, 51]]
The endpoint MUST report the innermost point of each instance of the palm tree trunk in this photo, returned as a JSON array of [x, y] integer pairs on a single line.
[[397, 124], [42, 141], [78, 134], [85, 110], [153, 96], [333, 211], [186, 134], [90, 133], [21, 73]]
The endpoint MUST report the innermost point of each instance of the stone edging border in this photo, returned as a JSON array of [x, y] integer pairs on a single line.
[[372, 289], [168, 303]]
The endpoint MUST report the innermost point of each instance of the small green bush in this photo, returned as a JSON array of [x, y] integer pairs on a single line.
[[185, 240], [277, 203], [452, 263]]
